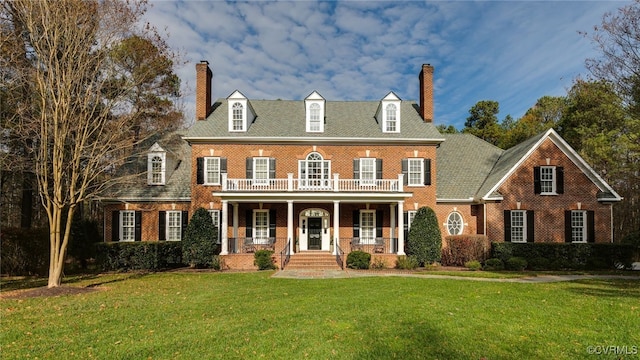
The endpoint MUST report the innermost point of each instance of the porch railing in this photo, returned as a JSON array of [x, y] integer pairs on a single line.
[[285, 255], [377, 245], [334, 184], [250, 245]]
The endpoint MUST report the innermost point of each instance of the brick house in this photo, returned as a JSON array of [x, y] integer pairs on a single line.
[[316, 179]]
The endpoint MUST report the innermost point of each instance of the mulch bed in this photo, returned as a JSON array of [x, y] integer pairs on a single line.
[[47, 292]]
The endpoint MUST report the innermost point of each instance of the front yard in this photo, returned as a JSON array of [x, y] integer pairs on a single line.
[[206, 315]]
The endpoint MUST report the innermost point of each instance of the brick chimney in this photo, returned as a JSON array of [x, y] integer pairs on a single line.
[[203, 90], [426, 93]]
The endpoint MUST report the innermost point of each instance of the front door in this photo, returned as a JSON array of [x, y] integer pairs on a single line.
[[315, 233]]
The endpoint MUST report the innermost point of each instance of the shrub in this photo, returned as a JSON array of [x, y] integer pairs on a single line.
[[462, 248], [263, 259], [84, 236], [24, 251], [378, 264], [632, 238], [139, 255], [218, 263], [516, 264], [406, 262], [473, 265], [358, 260], [539, 263], [199, 243], [493, 264], [425, 241]]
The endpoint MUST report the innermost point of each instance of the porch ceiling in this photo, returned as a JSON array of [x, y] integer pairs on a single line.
[[321, 197]]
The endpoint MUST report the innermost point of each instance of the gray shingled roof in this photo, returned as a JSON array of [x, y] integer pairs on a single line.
[[343, 119], [463, 164]]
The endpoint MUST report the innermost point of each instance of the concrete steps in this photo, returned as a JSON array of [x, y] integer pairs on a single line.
[[316, 260]]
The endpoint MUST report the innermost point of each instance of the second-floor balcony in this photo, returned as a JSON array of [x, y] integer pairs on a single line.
[[291, 184]]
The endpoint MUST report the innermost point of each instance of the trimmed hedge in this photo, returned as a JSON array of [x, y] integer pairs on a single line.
[[460, 249], [139, 255], [358, 260], [264, 260], [567, 256]]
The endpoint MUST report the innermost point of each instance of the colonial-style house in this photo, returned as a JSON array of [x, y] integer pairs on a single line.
[[314, 179]]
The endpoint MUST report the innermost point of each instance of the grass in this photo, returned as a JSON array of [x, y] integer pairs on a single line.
[[250, 315]]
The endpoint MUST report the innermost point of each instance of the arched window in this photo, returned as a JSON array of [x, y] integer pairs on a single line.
[[237, 116], [314, 117], [454, 223], [392, 118], [314, 171]]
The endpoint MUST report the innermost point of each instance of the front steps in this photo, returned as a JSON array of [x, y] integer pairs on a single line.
[[313, 260]]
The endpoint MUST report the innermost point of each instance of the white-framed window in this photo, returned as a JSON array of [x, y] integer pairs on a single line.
[[547, 180], [127, 225], [455, 223], [260, 170], [237, 117], [391, 123], [415, 172], [156, 168], [174, 225], [315, 120], [518, 226], [314, 171], [215, 218], [411, 214], [367, 226], [578, 226], [367, 171], [212, 171], [261, 226]]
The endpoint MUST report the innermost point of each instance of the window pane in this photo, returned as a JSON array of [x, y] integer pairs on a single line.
[[454, 223], [174, 222], [391, 118], [261, 227], [237, 116], [546, 179], [517, 226], [367, 227], [415, 172], [156, 170], [261, 169], [212, 170], [314, 117], [577, 226], [128, 225], [368, 171]]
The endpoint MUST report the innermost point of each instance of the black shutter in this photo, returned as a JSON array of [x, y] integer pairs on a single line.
[[537, 186], [507, 225], [591, 226], [272, 168], [530, 226], [405, 171], [567, 226], [115, 225], [356, 223], [200, 170], [379, 169], [272, 223], [185, 222], [138, 226], [249, 167], [405, 216], [162, 227], [560, 180], [379, 219], [427, 171], [356, 169], [249, 223]]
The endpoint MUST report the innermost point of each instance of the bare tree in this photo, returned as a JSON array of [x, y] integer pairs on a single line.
[[77, 118]]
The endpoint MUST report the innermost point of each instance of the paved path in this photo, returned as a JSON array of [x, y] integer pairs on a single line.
[[340, 274]]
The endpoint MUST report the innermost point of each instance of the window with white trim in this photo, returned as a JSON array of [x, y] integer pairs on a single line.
[[212, 171], [127, 225], [547, 179], [237, 118], [415, 172], [156, 168], [518, 226], [215, 218], [367, 226], [391, 121], [455, 224], [174, 225], [261, 226], [314, 171], [578, 226], [367, 171], [260, 170], [315, 120]]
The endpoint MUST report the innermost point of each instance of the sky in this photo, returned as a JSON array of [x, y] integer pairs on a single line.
[[512, 52]]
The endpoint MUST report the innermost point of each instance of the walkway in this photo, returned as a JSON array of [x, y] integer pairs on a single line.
[[340, 274]]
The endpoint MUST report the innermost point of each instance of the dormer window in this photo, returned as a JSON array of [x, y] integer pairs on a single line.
[[314, 106], [389, 113], [241, 114], [156, 165]]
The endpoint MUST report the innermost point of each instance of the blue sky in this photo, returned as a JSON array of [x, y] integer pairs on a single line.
[[512, 52]]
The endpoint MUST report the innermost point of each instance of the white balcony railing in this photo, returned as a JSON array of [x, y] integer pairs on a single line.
[[312, 185]]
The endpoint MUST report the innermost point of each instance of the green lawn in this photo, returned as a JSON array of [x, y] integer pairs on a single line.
[[250, 315]]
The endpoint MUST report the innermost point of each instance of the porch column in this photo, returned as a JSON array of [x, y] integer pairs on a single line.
[[392, 230], [235, 221], [401, 227], [224, 224], [290, 227], [336, 226]]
